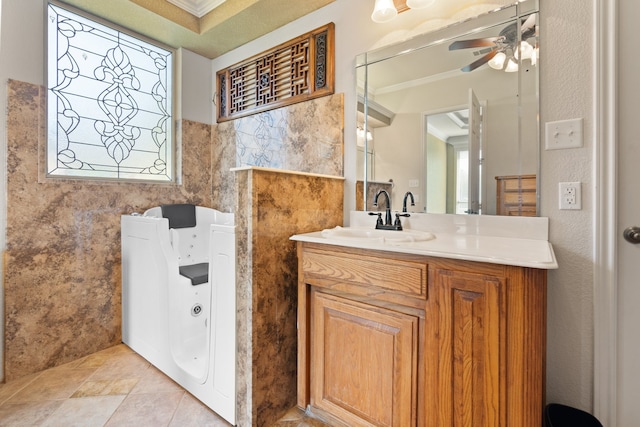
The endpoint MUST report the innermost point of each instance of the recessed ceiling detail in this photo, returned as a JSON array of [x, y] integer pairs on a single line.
[[198, 8], [228, 25]]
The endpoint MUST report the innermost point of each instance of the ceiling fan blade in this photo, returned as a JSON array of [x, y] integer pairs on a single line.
[[529, 23], [480, 62], [528, 27], [466, 44]]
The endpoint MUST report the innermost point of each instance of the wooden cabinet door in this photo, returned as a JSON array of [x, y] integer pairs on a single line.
[[465, 377], [363, 362]]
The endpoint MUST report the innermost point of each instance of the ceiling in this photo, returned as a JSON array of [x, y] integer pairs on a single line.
[[207, 27]]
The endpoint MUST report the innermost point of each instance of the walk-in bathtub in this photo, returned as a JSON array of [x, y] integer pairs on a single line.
[[178, 298]]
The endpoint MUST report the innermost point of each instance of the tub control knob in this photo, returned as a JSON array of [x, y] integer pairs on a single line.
[[196, 310]]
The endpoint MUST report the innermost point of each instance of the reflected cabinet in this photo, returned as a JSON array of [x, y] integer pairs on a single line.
[[393, 339], [516, 195]]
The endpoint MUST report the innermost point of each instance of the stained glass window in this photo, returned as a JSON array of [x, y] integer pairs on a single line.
[[109, 102]]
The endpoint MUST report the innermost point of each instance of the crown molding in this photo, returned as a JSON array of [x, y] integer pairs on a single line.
[[198, 8]]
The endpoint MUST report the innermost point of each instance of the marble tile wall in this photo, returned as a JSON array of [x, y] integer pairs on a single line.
[[271, 207], [223, 159], [62, 280], [305, 137]]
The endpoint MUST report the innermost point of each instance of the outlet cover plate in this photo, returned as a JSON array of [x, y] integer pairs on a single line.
[[570, 195]]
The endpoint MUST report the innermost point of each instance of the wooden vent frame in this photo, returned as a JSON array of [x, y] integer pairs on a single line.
[[295, 71]]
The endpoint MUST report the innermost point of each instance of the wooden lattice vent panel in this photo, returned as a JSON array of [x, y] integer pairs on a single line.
[[298, 70]]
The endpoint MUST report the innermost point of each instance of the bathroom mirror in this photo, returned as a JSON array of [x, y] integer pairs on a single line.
[[452, 117]]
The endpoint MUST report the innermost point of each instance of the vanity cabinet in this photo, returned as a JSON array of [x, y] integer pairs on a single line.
[[396, 339]]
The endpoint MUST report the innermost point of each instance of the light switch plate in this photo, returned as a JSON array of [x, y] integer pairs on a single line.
[[563, 134]]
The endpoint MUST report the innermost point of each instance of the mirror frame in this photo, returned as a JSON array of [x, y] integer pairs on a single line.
[[465, 28]]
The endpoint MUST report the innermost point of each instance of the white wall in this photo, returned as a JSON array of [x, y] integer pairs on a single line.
[[399, 156], [567, 91], [196, 86]]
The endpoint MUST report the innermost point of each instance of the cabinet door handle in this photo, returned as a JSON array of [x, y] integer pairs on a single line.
[[632, 234]]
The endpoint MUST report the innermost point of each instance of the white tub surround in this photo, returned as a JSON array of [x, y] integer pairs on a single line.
[[179, 298], [517, 241]]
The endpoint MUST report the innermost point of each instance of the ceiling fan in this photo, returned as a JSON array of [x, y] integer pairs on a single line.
[[503, 46]]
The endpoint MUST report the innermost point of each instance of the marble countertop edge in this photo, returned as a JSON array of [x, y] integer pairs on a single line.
[[518, 252]]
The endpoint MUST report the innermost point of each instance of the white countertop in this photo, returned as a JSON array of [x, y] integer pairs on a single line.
[[499, 240]]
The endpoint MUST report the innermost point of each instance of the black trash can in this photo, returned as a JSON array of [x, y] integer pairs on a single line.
[[557, 415]]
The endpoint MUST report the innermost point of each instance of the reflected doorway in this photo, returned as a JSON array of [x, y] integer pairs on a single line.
[[449, 158]]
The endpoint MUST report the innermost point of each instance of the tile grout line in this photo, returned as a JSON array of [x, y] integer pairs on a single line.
[[173, 415], [21, 388], [52, 414], [90, 378]]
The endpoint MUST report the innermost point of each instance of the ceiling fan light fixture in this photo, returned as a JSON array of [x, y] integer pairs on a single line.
[[525, 51], [383, 11], [497, 62], [419, 4], [512, 66]]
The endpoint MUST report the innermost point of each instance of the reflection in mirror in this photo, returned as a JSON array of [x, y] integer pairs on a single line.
[[452, 117], [447, 162]]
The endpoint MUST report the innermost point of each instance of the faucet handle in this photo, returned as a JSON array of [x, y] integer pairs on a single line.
[[397, 224], [379, 220]]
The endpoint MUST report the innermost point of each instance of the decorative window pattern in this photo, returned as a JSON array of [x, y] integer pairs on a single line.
[[109, 103], [295, 71]]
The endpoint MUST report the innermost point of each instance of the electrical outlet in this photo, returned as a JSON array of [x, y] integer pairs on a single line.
[[570, 195], [414, 183]]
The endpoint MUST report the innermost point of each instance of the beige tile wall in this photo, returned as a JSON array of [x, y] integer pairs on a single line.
[[273, 206], [303, 137]]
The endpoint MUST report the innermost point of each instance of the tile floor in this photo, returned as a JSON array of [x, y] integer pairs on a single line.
[[114, 387]]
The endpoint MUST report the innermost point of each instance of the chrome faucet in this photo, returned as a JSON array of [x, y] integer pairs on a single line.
[[404, 201]]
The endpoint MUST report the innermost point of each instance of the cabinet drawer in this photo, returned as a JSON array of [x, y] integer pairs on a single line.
[[377, 274], [520, 198], [525, 184], [517, 210]]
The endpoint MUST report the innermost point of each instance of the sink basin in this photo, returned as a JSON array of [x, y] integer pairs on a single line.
[[372, 235]]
